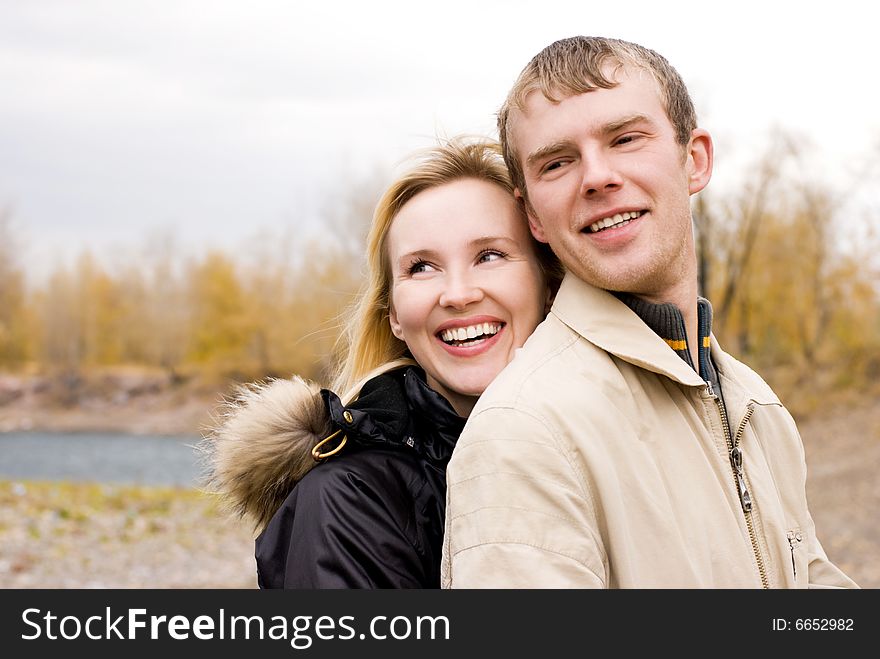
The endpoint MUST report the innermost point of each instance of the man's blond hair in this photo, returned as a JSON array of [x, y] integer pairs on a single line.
[[581, 64]]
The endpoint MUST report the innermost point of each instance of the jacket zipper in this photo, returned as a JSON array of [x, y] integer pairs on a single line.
[[790, 536], [739, 476]]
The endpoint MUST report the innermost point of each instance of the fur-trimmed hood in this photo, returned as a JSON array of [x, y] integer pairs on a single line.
[[261, 445]]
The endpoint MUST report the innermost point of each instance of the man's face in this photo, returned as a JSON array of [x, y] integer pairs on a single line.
[[609, 186]]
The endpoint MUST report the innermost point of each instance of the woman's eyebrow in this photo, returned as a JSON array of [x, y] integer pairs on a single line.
[[476, 243], [490, 240], [416, 254]]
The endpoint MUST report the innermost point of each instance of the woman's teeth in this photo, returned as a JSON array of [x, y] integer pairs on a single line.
[[456, 335]]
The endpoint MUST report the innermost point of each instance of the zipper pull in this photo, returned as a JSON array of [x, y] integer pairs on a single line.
[[710, 388], [790, 536], [736, 460]]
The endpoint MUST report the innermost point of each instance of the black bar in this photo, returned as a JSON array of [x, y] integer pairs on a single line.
[[502, 623]]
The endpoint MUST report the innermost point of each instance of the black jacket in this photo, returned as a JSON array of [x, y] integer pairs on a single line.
[[371, 516]]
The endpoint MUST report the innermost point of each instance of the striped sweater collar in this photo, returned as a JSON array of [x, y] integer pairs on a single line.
[[667, 321]]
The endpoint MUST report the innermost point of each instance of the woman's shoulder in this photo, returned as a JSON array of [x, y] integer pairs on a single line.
[[375, 468], [337, 516]]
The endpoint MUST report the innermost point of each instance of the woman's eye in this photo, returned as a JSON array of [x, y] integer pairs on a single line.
[[419, 266], [490, 255]]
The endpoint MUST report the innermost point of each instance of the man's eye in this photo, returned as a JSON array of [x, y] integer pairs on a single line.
[[552, 166], [626, 139]]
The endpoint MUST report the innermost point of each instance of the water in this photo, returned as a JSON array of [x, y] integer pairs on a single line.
[[99, 457]]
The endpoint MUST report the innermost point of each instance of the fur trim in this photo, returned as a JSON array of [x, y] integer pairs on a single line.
[[261, 446]]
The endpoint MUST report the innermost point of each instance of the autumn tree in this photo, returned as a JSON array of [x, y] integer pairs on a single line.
[[220, 323], [787, 292], [59, 329], [165, 308], [14, 348]]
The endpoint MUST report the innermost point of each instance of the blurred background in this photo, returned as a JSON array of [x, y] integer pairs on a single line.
[[184, 191]]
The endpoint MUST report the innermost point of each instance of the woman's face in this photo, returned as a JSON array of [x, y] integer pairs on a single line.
[[467, 289]]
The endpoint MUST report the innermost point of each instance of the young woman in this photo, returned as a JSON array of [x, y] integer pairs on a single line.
[[456, 284]]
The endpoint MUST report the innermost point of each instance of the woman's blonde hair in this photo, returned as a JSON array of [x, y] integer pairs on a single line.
[[368, 347]]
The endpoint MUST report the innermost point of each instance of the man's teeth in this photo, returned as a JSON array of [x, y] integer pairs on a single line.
[[619, 219], [470, 332]]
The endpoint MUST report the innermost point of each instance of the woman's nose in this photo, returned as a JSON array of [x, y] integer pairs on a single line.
[[460, 291]]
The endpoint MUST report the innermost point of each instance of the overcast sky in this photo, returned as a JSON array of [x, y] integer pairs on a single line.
[[219, 119]]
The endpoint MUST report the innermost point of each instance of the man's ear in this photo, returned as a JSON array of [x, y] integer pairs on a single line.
[[396, 330], [699, 160], [535, 225]]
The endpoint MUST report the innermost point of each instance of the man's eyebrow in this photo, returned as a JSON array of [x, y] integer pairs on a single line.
[[625, 122], [548, 150]]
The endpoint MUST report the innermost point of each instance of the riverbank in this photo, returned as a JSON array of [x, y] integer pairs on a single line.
[[64, 535], [112, 400]]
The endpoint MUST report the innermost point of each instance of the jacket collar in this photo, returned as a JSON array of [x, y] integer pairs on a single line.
[[398, 409], [667, 321], [608, 323]]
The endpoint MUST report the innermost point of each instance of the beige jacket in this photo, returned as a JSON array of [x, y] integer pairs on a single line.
[[599, 458]]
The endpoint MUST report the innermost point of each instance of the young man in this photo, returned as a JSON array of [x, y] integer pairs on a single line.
[[622, 448]]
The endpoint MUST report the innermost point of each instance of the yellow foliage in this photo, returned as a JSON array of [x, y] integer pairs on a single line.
[[789, 298], [794, 301]]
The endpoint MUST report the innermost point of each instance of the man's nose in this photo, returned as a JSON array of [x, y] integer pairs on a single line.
[[460, 291], [599, 174]]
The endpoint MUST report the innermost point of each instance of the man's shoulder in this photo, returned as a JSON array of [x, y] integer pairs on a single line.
[[554, 353], [535, 361], [743, 375]]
